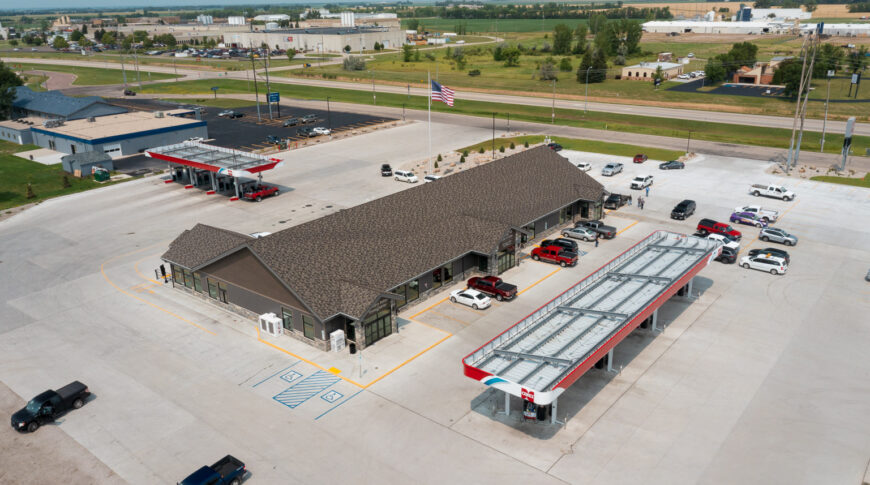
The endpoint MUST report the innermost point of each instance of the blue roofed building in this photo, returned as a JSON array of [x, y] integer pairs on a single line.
[[56, 105]]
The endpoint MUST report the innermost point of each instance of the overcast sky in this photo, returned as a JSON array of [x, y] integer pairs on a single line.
[[131, 4]]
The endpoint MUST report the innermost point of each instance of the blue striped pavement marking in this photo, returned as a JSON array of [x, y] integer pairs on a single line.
[[339, 404], [306, 389], [275, 374], [291, 376]]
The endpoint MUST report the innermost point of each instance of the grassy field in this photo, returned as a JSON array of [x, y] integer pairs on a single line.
[[597, 120], [89, 76], [594, 146], [482, 26], [46, 180], [856, 182]]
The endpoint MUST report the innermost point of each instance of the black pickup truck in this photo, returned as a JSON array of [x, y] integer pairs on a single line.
[[229, 470], [605, 231], [47, 406]]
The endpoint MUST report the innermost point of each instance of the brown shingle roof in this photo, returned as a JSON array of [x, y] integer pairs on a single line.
[[202, 244], [341, 262]]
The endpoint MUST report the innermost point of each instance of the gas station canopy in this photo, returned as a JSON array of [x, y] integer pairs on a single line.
[[223, 161]]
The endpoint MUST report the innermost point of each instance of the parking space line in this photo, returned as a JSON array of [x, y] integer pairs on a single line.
[[463, 322], [339, 404], [540, 280], [146, 278], [429, 307], [418, 354], [627, 228], [275, 374], [106, 277]]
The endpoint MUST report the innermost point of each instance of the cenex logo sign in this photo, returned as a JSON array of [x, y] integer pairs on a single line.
[[528, 395], [290, 38]]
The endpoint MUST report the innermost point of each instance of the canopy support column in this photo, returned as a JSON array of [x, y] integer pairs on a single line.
[[553, 411], [507, 403], [213, 182], [236, 182], [655, 319], [610, 361]]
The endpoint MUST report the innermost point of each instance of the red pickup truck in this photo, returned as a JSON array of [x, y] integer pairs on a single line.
[[555, 254], [709, 226], [257, 192], [493, 286]]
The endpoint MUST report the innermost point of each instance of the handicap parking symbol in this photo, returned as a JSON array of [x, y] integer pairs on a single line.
[[291, 376], [332, 396]]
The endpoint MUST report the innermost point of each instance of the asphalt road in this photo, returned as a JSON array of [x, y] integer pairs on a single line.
[[687, 114]]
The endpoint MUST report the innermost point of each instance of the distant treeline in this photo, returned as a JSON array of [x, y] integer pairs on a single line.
[[612, 10], [859, 7]]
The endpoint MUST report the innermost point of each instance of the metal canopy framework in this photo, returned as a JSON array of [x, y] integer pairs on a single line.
[[224, 161], [543, 354]]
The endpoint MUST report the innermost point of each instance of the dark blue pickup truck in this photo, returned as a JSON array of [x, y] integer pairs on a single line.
[[229, 470]]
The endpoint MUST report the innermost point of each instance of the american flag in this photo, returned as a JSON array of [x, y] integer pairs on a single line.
[[442, 93]]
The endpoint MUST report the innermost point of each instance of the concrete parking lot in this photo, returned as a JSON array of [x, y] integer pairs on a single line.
[[755, 379]]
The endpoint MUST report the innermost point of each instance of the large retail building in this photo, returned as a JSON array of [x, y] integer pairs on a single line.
[[353, 270], [320, 39]]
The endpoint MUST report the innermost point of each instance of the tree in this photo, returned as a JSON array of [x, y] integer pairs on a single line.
[[598, 73], [459, 58], [580, 39], [347, 48], [789, 73], [416, 54], [811, 5], [828, 58], [59, 43], [714, 71], [84, 29], [857, 59], [76, 35], [13, 42], [659, 75], [378, 46], [8, 81], [291, 53], [511, 57], [565, 65], [407, 52], [354, 63], [597, 22], [108, 38], [547, 71], [585, 66], [562, 37], [413, 24]]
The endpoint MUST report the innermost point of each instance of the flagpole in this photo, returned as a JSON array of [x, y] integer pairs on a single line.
[[429, 98]]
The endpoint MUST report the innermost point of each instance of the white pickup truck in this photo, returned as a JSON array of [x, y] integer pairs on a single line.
[[642, 181], [767, 215], [775, 191]]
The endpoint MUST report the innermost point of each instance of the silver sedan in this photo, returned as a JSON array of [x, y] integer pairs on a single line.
[[583, 233]]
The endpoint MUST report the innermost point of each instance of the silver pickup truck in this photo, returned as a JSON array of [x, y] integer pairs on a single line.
[[767, 215]]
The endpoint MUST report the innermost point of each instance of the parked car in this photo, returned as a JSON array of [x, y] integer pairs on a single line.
[[555, 254], [641, 181], [767, 215], [236, 114], [226, 112], [615, 201], [320, 130], [605, 231], [310, 118], [709, 226], [431, 178], [405, 176], [583, 233], [727, 256], [770, 190], [640, 158], [196, 138], [777, 235], [493, 286], [779, 253], [561, 242], [258, 235], [129, 92], [229, 470], [683, 210], [672, 165], [257, 192], [684, 76], [584, 166], [47, 406], [726, 241], [386, 170], [304, 132], [274, 139], [291, 122], [747, 218], [555, 147], [611, 169], [472, 298], [771, 264]]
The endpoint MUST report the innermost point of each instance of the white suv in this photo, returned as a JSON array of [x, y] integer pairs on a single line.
[[771, 264], [405, 176]]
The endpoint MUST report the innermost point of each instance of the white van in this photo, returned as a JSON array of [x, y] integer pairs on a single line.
[[405, 176]]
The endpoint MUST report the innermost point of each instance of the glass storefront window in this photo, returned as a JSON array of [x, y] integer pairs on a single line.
[[308, 326], [400, 290], [287, 318], [378, 323], [177, 274], [413, 290], [212, 288], [197, 282], [188, 278], [447, 273], [222, 292], [436, 277]]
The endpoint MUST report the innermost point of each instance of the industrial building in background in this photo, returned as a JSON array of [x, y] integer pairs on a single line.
[[320, 39]]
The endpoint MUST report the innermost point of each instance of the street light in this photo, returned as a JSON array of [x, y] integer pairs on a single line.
[[328, 114], [553, 111], [827, 99], [586, 102]]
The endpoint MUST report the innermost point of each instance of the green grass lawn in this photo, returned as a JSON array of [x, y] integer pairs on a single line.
[[46, 180], [748, 135], [856, 182], [89, 76], [594, 146]]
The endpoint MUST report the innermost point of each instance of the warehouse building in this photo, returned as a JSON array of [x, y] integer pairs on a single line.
[[16, 131], [646, 71], [712, 27], [355, 269], [56, 105], [117, 135], [323, 39]]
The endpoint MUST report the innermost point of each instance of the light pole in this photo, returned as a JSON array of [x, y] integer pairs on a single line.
[[827, 100], [586, 102], [374, 96], [328, 114], [689, 140], [553, 110]]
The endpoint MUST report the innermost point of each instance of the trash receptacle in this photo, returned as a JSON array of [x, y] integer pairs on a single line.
[[352, 348]]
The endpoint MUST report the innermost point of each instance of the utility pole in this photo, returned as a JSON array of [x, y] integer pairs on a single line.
[[553, 111], [827, 100], [138, 80], [374, 96], [175, 66], [586, 102], [813, 49], [689, 140], [123, 71], [328, 115], [268, 88], [256, 90], [493, 135], [806, 51]]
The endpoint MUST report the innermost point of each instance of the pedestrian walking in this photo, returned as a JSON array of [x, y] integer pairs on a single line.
[[647, 190], [640, 202], [629, 201], [596, 240]]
